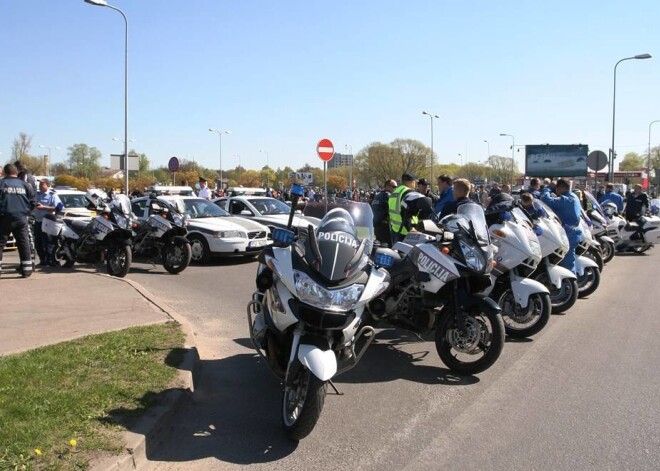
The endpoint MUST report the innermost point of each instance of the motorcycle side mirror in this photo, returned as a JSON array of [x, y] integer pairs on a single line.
[[507, 216], [430, 227], [538, 230]]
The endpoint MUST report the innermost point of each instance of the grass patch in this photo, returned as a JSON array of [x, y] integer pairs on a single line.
[[86, 390]]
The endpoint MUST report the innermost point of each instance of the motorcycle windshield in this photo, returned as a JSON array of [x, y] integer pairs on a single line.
[[540, 205], [593, 202], [361, 213], [341, 244], [474, 215], [123, 203]]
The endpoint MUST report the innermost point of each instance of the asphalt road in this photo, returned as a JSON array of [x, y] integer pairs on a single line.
[[583, 394]]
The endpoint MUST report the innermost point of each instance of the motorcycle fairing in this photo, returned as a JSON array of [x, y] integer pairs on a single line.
[[523, 288], [557, 274], [582, 262]]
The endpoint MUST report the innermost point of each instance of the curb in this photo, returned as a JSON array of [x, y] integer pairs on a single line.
[[156, 418]]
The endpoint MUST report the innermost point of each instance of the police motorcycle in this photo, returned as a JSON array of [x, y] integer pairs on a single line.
[[306, 317], [437, 279], [599, 226], [589, 247], [163, 237], [560, 282], [638, 236], [525, 302], [107, 237]]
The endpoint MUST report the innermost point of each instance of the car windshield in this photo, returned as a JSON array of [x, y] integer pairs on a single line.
[[270, 206], [74, 201], [200, 208]]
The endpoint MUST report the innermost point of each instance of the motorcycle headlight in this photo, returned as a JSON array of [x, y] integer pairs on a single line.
[[178, 219], [230, 235], [122, 221], [310, 292], [473, 258]]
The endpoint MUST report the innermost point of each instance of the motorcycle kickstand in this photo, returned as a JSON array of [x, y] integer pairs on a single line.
[[332, 385]]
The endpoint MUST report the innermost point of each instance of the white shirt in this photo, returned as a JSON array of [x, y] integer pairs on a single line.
[[204, 193]]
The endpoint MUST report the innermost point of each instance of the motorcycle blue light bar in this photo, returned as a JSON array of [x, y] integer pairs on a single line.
[[283, 236], [297, 190], [384, 260], [538, 230]]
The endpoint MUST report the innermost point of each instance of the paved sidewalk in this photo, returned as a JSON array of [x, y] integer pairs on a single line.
[[53, 305]]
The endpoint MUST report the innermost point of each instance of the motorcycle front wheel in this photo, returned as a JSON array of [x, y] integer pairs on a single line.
[[471, 350], [118, 260], [176, 256], [608, 250], [588, 282], [561, 299], [522, 322], [302, 404], [594, 254]]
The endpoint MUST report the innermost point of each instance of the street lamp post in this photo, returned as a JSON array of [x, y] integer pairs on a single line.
[[430, 115], [460, 156], [220, 133], [648, 161], [612, 153], [104, 3], [488, 157], [513, 155], [350, 183], [57, 147], [238, 179], [267, 170]]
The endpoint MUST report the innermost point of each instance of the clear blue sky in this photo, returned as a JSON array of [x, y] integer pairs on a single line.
[[281, 75]]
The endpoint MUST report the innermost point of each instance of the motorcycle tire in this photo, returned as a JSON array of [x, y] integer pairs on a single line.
[[595, 254], [588, 282], [118, 260], [607, 249], [176, 256], [514, 325], [641, 250], [302, 404], [561, 299], [447, 335]]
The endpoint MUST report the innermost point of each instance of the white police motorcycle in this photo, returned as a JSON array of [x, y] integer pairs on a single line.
[[638, 236], [306, 317]]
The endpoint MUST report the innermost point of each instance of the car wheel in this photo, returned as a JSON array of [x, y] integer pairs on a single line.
[[199, 248]]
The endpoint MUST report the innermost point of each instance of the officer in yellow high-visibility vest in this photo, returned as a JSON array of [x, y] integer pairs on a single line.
[[407, 208]]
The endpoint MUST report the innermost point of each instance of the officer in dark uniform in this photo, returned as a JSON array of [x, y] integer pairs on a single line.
[[16, 203], [381, 210]]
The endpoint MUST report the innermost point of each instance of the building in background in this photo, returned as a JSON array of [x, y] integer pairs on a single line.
[[340, 160]]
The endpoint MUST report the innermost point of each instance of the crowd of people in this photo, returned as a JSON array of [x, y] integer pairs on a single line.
[[398, 208]]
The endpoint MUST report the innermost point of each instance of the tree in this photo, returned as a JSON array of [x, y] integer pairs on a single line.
[[143, 162], [21, 147], [501, 168], [379, 162], [84, 160], [632, 161]]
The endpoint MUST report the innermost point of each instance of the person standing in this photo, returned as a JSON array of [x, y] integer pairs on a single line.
[[407, 208], [461, 196], [423, 186], [380, 209], [568, 209], [446, 193], [613, 196], [204, 191], [636, 204], [17, 199], [47, 203]]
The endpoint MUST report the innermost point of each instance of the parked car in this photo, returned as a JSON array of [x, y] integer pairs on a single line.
[[75, 203], [270, 212], [211, 230]]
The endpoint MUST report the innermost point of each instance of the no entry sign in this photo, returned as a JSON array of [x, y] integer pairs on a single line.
[[325, 149]]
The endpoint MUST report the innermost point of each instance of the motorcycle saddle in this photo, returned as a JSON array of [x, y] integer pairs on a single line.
[[77, 225], [631, 226]]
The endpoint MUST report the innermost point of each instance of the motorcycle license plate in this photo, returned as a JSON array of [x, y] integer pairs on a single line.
[[258, 243]]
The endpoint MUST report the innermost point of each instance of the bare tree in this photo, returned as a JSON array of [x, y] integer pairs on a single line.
[[21, 147]]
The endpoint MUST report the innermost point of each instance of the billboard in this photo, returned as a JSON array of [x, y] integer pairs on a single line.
[[550, 160], [306, 178]]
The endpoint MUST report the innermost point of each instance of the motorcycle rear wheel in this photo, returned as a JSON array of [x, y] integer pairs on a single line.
[[176, 256], [484, 336], [118, 260], [519, 322], [302, 404], [588, 282], [595, 254]]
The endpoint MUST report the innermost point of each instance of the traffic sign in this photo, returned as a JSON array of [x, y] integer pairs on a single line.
[[173, 165], [597, 160], [325, 149]]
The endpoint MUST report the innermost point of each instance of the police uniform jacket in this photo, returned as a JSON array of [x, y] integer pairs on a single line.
[[16, 198]]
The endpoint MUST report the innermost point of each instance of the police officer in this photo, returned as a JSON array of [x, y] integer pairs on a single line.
[[407, 208], [381, 209], [613, 196], [47, 203], [16, 202], [423, 186], [567, 206]]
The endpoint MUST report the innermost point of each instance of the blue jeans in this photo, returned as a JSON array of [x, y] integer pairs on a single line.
[[574, 238]]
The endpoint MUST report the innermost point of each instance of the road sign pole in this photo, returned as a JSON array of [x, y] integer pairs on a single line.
[[325, 183]]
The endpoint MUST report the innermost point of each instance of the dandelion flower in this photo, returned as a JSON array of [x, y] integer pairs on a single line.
[[73, 442], [37, 451]]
